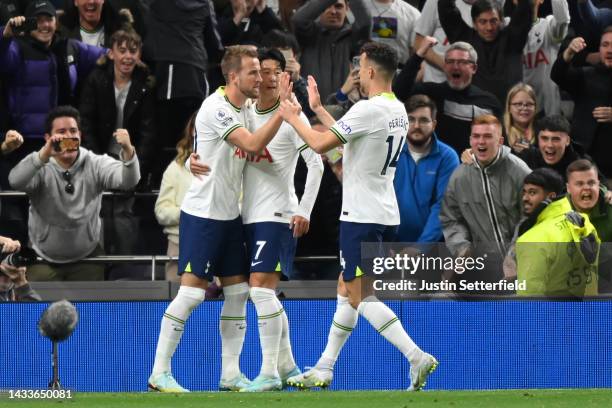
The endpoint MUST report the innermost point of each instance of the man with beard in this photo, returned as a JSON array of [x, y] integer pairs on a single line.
[[457, 98], [558, 255], [422, 173], [540, 187]]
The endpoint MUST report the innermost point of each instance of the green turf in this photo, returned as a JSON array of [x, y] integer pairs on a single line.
[[581, 398]]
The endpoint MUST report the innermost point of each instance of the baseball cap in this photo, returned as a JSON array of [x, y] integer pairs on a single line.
[[38, 7]]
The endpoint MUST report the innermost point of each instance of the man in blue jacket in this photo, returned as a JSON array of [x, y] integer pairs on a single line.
[[423, 170]]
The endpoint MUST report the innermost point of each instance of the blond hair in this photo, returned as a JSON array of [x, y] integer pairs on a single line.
[[232, 59], [514, 133], [184, 147]]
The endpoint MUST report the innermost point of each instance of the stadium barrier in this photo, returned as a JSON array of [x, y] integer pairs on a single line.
[[480, 345]]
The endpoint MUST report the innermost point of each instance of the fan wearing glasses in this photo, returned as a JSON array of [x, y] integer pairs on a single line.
[[64, 183]]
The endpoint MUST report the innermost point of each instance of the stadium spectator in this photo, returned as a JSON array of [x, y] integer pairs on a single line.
[[14, 285], [210, 214], [65, 183], [393, 23], [287, 44], [372, 130], [119, 94], [12, 140], [481, 206], [93, 21], [349, 93], [328, 40], [499, 48], [428, 24], [541, 49], [521, 108], [41, 69], [555, 148], [183, 42], [246, 22], [273, 219], [174, 184], [543, 258], [540, 187], [590, 87], [458, 99], [423, 169]]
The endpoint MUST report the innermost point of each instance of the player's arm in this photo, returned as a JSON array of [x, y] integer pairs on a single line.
[[314, 100], [320, 142], [256, 141]]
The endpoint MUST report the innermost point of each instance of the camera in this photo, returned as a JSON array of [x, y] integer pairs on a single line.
[[24, 257], [30, 24]]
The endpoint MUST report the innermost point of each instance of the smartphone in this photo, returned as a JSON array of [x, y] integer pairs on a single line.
[[65, 145], [356, 62], [30, 24]]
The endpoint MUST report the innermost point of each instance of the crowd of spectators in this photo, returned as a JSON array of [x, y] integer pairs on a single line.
[[507, 86]]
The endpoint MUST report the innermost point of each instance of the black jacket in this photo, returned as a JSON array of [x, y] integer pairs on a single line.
[[99, 113], [456, 109], [259, 24], [499, 61], [183, 31]]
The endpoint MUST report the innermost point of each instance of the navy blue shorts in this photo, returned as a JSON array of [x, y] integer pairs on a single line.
[[210, 248], [352, 234], [270, 247]]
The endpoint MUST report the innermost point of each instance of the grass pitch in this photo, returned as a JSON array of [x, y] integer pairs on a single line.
[[570, 398]]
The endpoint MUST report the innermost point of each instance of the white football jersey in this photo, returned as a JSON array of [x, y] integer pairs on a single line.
[[268, 189], [540, 53], [373, 132], [216, 195]]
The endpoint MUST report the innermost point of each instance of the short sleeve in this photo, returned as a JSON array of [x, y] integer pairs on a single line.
[[355, 123], [219, 122]]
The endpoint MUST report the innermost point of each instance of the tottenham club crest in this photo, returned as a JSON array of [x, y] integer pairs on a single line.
[[223, 116]]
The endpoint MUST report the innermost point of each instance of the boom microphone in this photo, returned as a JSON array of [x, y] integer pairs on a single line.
[[58, 321]]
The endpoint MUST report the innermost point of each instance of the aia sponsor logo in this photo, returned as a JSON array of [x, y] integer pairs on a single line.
[[254, 158]]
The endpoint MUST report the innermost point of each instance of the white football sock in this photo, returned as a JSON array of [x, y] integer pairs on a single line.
[[270, 325], [387, 323], [173, 324], [286, 362], [232, 326], [345, 320]]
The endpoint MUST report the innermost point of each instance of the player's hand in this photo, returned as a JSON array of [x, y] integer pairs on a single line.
[[123, 139], [196, 167], [12, 140], [13, 22], [603, 113], [285, 86], [314, 98], [575, 46], [466, 156], [289, 110], [299, 225], [426, 43], [9, 245]]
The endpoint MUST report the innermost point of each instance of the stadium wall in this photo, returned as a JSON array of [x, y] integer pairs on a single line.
[[480, 345]]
